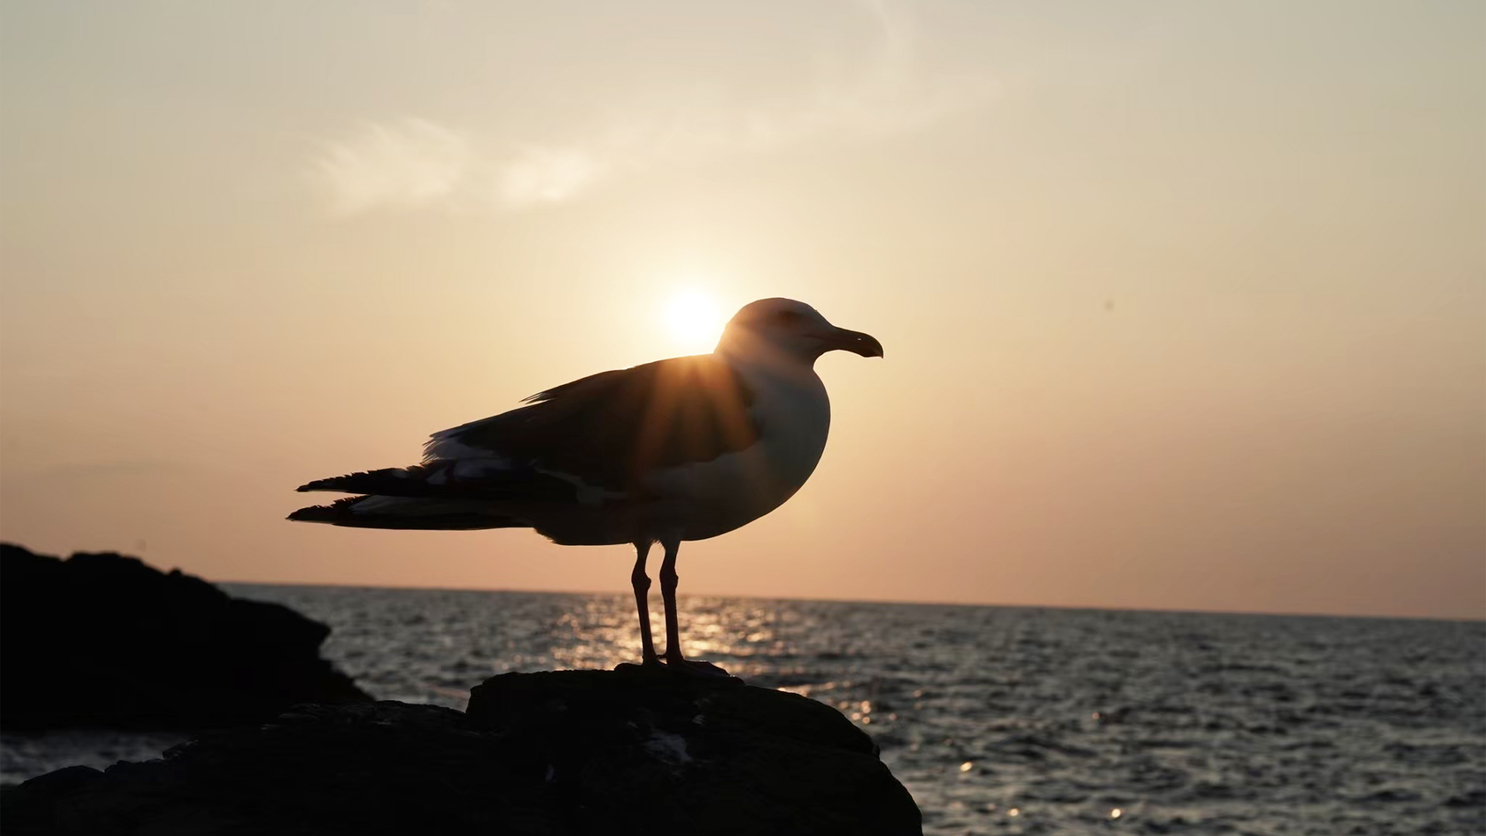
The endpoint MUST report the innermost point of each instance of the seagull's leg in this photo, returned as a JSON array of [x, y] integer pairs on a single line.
[[641, 583], [668, 579]]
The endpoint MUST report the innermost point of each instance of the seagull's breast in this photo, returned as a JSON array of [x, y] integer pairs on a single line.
[[715, 497]]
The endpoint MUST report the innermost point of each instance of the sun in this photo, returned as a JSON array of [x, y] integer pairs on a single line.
[[694, 321]]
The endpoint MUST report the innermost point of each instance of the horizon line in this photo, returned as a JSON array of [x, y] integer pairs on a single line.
[[911, 603]]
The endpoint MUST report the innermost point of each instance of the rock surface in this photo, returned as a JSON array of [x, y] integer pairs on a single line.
[[570, 752], [104, 640]]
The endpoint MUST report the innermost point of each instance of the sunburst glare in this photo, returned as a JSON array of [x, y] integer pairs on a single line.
[[694, 321]]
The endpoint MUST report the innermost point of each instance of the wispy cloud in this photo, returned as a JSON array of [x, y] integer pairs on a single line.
[[410, 163]]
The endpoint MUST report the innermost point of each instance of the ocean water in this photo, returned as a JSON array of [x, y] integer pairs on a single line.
[[1001, 720]]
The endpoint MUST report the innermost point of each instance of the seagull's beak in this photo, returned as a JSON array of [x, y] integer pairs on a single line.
[[854, 341]]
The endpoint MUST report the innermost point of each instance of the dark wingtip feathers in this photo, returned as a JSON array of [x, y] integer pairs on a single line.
[[337, 510], [387, 480]]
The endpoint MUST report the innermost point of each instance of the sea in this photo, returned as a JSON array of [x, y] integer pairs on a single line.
[[999, 720]]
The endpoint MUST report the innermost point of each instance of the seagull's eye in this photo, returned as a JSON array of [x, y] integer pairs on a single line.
[[787, 317]]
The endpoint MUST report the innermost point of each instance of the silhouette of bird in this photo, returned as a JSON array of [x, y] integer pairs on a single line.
[[671, 451]]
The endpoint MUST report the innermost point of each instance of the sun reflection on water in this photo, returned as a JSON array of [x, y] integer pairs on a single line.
[[601, 632]]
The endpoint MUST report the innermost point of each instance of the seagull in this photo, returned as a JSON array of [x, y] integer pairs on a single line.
[[666, 452]]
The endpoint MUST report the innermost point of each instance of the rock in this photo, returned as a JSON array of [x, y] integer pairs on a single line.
[[569, 752], [103, 640]]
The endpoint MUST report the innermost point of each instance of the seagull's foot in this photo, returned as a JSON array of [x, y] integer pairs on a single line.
[[650, 665], [697, 668]]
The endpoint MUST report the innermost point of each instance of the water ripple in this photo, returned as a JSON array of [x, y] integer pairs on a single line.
[[1003, 720]]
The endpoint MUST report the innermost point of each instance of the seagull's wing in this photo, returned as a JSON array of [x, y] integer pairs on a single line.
[[610, 429]]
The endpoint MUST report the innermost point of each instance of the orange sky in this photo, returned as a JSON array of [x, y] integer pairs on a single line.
[[1184, 304]]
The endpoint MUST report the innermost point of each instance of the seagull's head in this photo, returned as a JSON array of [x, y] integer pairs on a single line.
[[786, 329]]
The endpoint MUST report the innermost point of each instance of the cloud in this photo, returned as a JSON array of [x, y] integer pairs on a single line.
[[547, 175], [412, 163]]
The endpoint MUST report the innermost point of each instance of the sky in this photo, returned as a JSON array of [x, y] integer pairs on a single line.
[[1184, 304]]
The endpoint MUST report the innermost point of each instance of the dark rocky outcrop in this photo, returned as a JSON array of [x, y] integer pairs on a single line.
[[570, 752], [104, 640]]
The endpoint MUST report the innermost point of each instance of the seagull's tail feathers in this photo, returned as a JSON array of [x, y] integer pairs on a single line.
[[389, 481], [489, 479], [408, 513]]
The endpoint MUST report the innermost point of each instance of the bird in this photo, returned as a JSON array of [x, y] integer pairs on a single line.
[[672, 451]]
